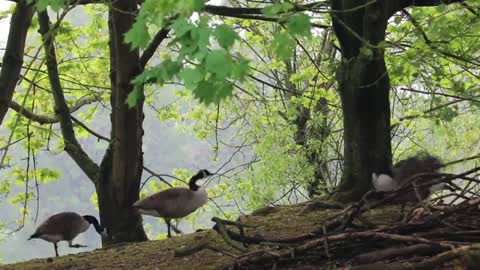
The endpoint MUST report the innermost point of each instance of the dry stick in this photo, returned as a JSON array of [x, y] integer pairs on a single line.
[[225, 235], [384, 254], [427, 264], [340, 237], [434, 217]]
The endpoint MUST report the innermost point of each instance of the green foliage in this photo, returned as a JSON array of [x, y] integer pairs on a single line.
[[209, 76], [278, 8], [299, 24], [225, 36], [206, 70], [283, 45], [138, 37], [41, 5]]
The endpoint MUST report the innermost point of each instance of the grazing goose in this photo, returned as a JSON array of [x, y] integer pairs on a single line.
[[176, 202], [402, 176], [65, 226]]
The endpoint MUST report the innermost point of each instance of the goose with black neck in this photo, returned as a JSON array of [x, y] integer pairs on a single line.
[[176, 202], [65, 226]]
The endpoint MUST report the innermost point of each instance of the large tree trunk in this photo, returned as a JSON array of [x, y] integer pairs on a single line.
[[121, 169], [364, 91], [13, 57]]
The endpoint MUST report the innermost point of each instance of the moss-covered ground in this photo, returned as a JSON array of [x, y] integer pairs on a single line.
[[280, 222]]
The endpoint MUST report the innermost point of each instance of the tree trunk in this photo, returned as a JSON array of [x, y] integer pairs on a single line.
[[364, 90], [121, 168], [13, 57]]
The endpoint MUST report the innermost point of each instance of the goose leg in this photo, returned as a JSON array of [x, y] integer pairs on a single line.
[[175, 229], [168, 221], [56, 249]]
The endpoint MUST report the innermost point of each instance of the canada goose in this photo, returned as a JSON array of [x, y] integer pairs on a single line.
[[65, 226], [402, 176], [176, 202]]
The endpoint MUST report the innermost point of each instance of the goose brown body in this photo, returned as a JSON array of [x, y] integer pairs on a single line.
[[65, 226], [172, 203], [176, 202], [404, 174]]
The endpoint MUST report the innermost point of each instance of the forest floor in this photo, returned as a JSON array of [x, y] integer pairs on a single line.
[[292, 237]]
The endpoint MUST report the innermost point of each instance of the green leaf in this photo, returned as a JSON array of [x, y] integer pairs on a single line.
[[277, 8], [283, 45], [212, 91], [134, 96], [46, 175], [240, 69], [181, 27], [138, 36], [397, 20], [219, 62], [191, 77], [225, 35], [41, 5], [299, 24]]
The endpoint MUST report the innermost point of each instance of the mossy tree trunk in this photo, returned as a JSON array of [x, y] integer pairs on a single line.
[[121, 169], [364, 88], [364, 91]]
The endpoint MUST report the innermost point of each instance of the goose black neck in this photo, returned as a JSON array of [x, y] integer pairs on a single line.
[[193, 181], [92, 220]]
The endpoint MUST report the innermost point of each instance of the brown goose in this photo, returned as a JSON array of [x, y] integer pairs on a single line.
[[176, 202], [402, 176], [65, 226]]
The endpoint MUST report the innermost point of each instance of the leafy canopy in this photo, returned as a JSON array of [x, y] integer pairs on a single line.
[[205, 61]]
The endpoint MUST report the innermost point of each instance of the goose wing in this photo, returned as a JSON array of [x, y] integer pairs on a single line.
[[171, 203]]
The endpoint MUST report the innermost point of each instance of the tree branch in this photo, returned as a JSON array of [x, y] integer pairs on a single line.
[[395, 6], [46, 119], [235, 11], [13, 57], [89, 130], [152, 47], [72, 147]]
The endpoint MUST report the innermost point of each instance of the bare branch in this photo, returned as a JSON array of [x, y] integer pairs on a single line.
[[46, 119]]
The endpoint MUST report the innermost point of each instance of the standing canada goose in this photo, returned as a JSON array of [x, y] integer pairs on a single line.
[[176, 202], [403, 172], [65, 226]]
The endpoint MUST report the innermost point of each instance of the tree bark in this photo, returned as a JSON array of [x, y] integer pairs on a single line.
[[13, 57], [121, 169], [364, 90]]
